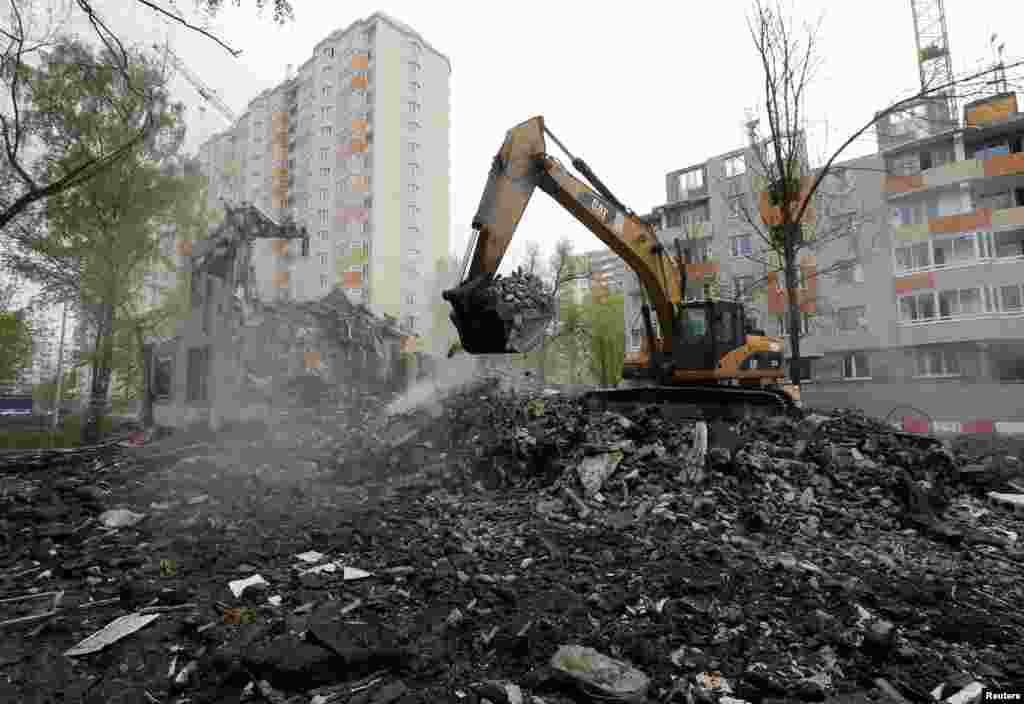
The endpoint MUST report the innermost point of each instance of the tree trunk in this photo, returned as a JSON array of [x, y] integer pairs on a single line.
[[100, 377], [146, 414], [793, 301]]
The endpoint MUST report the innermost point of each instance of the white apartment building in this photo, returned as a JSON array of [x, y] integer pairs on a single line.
[[355, 147]]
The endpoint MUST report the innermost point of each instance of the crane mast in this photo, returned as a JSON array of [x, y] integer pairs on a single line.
[[934, 63]]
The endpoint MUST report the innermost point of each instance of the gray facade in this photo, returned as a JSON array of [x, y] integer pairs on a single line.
[[918, 258]]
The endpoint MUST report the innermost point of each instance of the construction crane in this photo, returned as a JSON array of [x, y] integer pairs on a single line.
[[208, 94], [934, 63]]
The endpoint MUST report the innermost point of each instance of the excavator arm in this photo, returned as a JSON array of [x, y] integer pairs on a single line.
[[521, 166]]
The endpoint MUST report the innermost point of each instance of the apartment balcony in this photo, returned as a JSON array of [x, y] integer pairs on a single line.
[[962, 223], [968, 170], [687, 231]]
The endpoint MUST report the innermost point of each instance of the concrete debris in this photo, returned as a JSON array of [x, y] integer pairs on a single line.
[[600, 676]]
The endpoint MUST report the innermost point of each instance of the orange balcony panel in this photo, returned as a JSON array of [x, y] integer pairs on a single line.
[[358, 147], [699, 271], [184, 248], [360, 125], [952, 224], [409, 344], [311, 360], [1004, 165], [772, 215], [280, 279], [279, 247], [360, 82], [915, 282], [360, 61], [352, 279], [903, 184], [994, 110]]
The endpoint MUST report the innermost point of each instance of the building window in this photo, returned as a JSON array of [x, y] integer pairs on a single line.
[[950, 251], [323, 194], [849, 272], [414, 67], [329, 52], [325, 171], [323, 235], [414, 147], [913, 257], [322, 215], [744, 286], [323, 258], [855, 366], [690, 180], [736, 207], [323, 281], [410, 299], [414, 125], [700, 250], [783, 321], [1009, 244], [414, 106], [326, 131], [198, 374], [960, 302], [324, 153], [937, 361], [734, 166], [413, 211], [742, 246], [917, 308], [1010, 298], [414, 170], [635, 338], [850, 319], [413, 188], [325, 92], [414, 86], [325, 112]]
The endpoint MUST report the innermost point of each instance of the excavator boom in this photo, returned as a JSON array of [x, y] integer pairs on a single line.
[[520, 167], [725, 355]]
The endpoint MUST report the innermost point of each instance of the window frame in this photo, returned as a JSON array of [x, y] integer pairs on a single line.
[[855, 367]]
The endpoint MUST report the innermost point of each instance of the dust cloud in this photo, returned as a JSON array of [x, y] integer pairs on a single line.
[[452, 375]]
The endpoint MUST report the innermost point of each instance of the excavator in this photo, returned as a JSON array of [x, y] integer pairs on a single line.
[[708, 361]]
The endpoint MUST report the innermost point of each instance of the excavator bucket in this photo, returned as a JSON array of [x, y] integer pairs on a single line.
[[488, 328]]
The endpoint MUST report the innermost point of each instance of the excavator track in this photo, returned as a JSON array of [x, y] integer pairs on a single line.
[[712, 403]]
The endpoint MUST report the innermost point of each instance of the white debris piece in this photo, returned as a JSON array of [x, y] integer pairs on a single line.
[[111, 633], [120, 518], [349, 573], [968, 695], [240, 585], [311, 556]]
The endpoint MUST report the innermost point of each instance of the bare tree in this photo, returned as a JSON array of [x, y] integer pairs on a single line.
[[28, 175], [789, 60]]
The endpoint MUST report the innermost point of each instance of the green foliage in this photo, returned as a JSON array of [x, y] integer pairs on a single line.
[[15, 344], [69, 434], [607, 338]]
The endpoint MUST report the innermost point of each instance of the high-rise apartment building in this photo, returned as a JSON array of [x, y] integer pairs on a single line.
[[918, 272], [355, 147]]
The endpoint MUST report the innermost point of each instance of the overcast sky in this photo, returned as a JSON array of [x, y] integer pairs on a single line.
[[636, 92]]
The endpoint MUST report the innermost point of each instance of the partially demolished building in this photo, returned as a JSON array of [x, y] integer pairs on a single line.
[[231, 357]]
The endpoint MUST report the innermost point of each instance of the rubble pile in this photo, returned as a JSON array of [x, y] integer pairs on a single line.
[[521, 548]]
